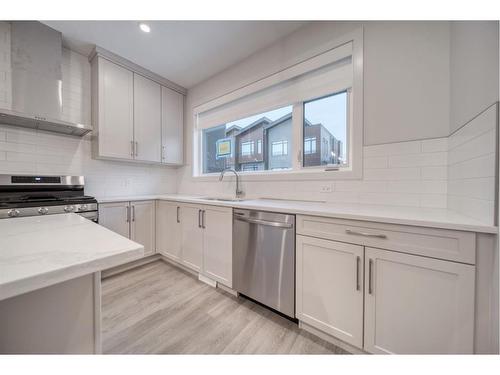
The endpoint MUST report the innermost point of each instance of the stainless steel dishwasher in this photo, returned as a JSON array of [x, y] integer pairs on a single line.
[[264, 258]]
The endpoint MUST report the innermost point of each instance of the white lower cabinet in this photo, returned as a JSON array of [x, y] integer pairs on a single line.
[[191, 236], [142, 225], [417, 305], [329, 290], [218, 244], [385, 301], [168, 230], [134, 220], [197, 236]]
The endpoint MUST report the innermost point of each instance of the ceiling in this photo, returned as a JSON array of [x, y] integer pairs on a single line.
[[185, 52]]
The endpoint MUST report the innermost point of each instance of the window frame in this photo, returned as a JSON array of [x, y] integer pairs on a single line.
[[354, 136], [252, 148]]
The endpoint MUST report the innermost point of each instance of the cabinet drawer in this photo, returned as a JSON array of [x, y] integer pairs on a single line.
[[437, 243]]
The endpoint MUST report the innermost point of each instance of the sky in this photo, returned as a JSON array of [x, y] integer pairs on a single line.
[[329, 111]]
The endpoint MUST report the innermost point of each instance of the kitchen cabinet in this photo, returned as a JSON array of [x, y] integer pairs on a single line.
[[192, 236], [417, 305], [168, 230], [115, 216], [134, 220], [172, 117], [135, 116], [197, 236], [217, 244], [329, 293], [142, 225], [113, 110], [147, 119]]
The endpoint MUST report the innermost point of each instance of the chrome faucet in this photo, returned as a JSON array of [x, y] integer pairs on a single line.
[[239, 192]]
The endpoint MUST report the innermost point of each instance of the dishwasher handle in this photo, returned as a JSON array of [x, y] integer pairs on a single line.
[[275, 224]]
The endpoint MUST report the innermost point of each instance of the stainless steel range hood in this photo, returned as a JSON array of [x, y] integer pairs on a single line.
[[36, 76]]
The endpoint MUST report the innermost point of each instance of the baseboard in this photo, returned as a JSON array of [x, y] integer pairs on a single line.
[[227, 289], [128, 266], [207, 280], [178, 265], [333, 340]]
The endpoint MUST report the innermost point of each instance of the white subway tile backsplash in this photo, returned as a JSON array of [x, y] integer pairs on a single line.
[[392, 174], [435, 145], [418, 160], [400, 148], [375, 162], [435, 173]]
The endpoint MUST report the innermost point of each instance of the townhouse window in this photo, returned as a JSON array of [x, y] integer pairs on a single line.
[[279, 148], [303, 120], [247, 148], [309, 145]]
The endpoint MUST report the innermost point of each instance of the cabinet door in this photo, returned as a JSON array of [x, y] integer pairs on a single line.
[[115, 105], [192, 236], [115, 216], [172, 114], [168, 229], [417, 305], [143, 225], [329, 281], [147, 119], [218, 244]]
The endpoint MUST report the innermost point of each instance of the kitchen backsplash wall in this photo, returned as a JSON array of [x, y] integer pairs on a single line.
[[472, 166], [404, 174], [29, 151]]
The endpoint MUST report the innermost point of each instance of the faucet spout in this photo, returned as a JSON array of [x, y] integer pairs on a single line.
[[238, 192]]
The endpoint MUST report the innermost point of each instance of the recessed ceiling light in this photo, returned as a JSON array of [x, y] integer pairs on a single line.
[[144, 27]]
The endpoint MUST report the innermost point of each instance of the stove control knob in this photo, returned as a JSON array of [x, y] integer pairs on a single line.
[[83, 207], [13, 213], [69, 208], [43, 210]]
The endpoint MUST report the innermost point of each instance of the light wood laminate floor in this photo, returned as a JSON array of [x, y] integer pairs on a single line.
[[158, 308]]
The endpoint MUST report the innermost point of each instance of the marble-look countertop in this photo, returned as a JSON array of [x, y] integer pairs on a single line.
[[415, 216], [39, 251]]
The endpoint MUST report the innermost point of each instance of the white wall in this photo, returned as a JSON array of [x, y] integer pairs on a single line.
[[474, 69], [29, 151], [406, 83]]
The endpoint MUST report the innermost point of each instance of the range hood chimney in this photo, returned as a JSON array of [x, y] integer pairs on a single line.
[[36, 76]]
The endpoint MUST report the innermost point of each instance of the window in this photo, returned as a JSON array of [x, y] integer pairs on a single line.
[[326, 118], [247, 148], [279, 148], [234, 144], [310, 145], [316, 107]]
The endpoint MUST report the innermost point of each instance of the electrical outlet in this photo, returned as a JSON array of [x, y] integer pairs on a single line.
[[326, 188]]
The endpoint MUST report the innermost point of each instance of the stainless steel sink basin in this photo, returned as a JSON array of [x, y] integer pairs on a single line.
[[224, 199]]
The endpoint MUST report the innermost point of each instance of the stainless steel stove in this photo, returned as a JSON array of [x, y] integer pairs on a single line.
[[23, 195]]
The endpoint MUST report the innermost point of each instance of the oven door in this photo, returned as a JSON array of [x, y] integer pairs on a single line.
[[91, 215]]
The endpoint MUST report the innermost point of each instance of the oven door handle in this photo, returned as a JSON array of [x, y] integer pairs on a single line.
[[276, 224]]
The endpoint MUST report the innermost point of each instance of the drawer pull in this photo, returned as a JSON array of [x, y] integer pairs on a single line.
[[370, 276], [358, 262], [364, 234]]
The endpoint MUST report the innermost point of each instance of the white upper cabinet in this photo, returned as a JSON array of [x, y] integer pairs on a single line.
[[135, 116], [172, 115], [417, 305], [147, 119], [113, 110]]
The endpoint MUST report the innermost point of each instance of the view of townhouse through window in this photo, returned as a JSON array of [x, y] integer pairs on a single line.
[[263, 141]]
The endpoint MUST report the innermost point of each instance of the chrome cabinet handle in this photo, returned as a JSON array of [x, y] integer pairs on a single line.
[[203, 219], [370, 276], [128, 214], [136, 148], [178, 220], [365, 234], [133, 213], [265, 222], [199, 218], [132, 148], [358, 263]]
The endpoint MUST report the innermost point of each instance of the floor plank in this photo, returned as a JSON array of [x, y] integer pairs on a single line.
[[160, 309]]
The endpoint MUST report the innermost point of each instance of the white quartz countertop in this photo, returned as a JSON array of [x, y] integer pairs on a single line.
[[415, 216], [36, 252]]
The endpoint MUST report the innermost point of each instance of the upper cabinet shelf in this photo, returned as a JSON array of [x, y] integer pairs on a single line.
[[137, 115]]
